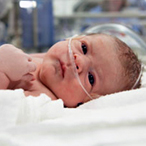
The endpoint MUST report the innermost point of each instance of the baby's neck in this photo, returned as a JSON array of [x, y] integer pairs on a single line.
[[38, 62]]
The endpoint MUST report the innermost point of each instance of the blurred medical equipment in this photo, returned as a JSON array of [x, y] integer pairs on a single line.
[[5, 6], [37, 24], [142, 4]]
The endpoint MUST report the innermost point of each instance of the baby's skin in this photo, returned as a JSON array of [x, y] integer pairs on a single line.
[[19, 70], [97, 62], [15, 65]]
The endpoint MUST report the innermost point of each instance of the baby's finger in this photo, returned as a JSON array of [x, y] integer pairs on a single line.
[[28, 77], [31, 66]]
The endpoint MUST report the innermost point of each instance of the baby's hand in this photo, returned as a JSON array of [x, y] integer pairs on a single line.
[[15, 64]]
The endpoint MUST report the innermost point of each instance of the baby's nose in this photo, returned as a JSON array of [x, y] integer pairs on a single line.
[[78, 63]]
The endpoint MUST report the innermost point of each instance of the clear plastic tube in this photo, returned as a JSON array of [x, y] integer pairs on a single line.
[[139, 77], [74, 67]]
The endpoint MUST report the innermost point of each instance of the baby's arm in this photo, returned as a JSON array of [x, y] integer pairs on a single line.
[[14, 65]]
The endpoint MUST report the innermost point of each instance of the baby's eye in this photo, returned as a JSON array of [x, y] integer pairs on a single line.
[[84, 48], [91, 79]]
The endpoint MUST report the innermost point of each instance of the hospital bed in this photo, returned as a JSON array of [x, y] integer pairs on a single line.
[[117, 119]]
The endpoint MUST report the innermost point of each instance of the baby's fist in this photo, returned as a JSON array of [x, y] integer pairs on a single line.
[[15, 63]]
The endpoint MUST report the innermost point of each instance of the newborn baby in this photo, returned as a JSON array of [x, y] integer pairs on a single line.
[[104, 64]]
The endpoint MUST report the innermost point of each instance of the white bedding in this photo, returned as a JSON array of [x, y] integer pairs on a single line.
[[112, 120]]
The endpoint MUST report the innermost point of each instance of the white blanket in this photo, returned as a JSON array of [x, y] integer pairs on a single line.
[[113, 120]]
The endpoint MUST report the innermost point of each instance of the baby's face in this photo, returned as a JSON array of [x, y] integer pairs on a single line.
[[97, 64]]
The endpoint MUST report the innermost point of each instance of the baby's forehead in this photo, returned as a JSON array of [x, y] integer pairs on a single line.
[[103, 38]]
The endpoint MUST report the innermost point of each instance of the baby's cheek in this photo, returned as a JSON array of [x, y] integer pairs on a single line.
[[76, 89]]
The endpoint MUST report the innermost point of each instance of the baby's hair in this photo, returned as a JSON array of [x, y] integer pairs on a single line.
[[131, 65]]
